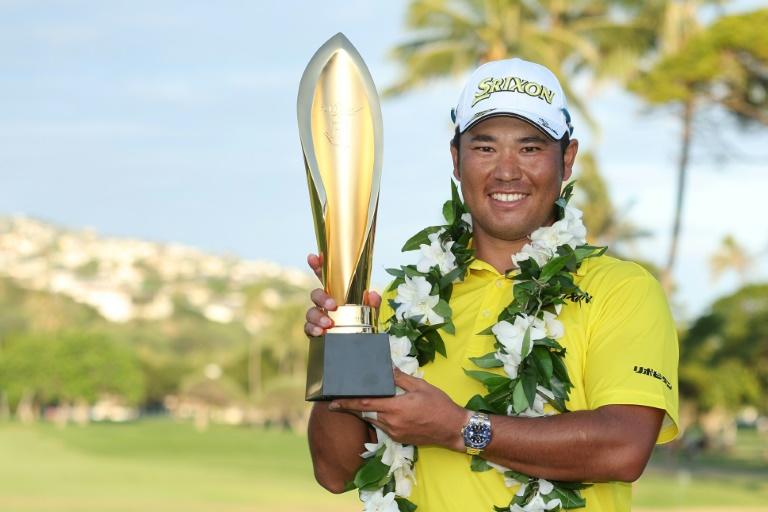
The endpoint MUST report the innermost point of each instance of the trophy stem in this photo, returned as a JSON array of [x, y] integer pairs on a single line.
[[353, 318]]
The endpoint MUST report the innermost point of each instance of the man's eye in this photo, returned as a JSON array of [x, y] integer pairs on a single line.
[[530, 149], [484, 149]]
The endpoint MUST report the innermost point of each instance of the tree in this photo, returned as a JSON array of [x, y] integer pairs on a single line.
[[724, 355], [69, 367], [724, 66], [453, 36], [730, 255]]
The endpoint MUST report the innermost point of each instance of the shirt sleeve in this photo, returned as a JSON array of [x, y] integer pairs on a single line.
[[632, 354]]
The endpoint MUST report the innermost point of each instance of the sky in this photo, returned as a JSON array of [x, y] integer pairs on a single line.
[[176, 121]]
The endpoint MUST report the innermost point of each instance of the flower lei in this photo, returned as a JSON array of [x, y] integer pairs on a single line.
[[535, 379]]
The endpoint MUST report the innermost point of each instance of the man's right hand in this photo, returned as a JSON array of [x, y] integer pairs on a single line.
[[317, 319]]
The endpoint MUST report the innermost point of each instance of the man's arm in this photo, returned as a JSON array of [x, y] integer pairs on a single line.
[[335, 438], [611, 443], [335, 443]]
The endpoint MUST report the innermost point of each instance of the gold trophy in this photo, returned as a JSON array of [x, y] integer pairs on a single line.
[[341, 130]]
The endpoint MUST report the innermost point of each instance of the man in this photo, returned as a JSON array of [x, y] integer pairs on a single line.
[[511, 152]]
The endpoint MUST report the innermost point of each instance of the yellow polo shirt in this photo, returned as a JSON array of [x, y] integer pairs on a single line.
[[621, 349]]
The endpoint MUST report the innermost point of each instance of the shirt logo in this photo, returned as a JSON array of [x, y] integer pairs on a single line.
[[653, 373], [490, 85]]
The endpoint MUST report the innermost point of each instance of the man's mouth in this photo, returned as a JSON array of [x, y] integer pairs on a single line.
[[508, 198]]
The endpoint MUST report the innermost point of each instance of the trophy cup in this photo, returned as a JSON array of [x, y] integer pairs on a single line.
[[340, 129]]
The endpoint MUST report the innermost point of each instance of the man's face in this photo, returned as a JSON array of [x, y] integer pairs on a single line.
[[510, 175]]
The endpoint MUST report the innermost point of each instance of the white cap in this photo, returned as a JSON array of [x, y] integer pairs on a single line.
[[517, 88]]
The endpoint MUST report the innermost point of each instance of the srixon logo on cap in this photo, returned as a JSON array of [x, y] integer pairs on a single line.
[[490, 85]]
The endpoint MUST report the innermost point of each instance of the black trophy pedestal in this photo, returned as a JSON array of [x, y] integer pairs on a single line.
[[344, 365]]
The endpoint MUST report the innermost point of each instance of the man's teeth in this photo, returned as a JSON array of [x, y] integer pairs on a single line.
[[507, 198]]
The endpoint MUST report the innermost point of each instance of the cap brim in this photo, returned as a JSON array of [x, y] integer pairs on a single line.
[[549, 132]]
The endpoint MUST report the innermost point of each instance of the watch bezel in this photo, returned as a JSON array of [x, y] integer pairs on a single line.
[[479, 425]]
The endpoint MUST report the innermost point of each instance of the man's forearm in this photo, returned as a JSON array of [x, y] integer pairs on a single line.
[[335, 442], [611, 443]]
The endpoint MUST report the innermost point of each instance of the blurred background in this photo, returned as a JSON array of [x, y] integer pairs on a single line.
[[154, 224]]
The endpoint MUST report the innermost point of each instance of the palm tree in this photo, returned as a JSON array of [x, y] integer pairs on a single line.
[[453, 36], [725, 65], [731, 255]]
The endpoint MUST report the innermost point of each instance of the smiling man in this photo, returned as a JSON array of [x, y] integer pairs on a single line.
[[511, 152]]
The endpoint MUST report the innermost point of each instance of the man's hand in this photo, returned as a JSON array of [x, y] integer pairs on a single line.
[[317, 319], [422, 415]]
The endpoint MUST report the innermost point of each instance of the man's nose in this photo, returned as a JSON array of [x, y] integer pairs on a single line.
[[508, 166]]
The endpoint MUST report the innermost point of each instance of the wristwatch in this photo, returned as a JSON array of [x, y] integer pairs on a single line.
[[477, 433]]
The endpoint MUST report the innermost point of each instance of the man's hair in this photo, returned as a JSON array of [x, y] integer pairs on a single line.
[[564, 141]]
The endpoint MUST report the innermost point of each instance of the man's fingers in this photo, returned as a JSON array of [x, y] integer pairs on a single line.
[[372, 299], [322, 299], [360, 404], [315, 262], [317, 322], [405, 381]]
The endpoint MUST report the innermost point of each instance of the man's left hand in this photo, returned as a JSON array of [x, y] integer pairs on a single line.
[[422, 415]]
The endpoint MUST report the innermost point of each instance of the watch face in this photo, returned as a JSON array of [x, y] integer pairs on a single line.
[[477, 435]]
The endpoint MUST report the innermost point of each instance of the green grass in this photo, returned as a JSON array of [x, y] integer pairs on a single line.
[[735, 481], [170, 467], [157, 466]]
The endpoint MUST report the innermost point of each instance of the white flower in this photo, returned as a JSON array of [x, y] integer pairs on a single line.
[[537, 409], [537, 503], [377, 501], [538, 254], [511, 335], [546, 239], [467, 218], [372, 448], [511, 363], [404, 480], [413, 299], [575, 226], [396, 455], [399, 347], [553, 326], [436, 254]]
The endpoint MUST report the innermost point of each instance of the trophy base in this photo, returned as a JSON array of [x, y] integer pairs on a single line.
[[348, 365]]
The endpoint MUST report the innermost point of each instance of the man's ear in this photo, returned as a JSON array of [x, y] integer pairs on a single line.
[[455, 159], [569, 158]]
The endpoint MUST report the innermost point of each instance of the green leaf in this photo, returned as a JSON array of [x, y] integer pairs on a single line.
[[422, 237], [526, 348], [488, 379], [449, 327], [486, 332], [455, 197], [529, 381], [448, 212], [519, 400], [442, 308], [478, 403], [371, 473], [487, 361], [568, 498], [543, 360], [395, 272], [451, 276], [552, 267], [411, 271], [479, 464], [547, 342], [404, 505], [520, 477]]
